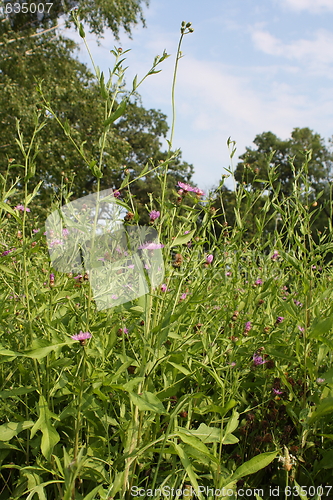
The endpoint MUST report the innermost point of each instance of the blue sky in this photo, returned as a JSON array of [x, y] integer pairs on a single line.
[[250, 66]]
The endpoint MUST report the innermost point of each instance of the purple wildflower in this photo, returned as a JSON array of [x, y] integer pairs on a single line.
[[116, 194], [275, 255], [186, 187], [6, 252], [51, 277], [248, 326], [123, 330], [114, 297], [277, 391], [65, 232], [21, 208], [301, 329], [209, 259], [150, 246], [154, 214], [228, 273], [183, 296], [131, 266], [56, 242], [279, 319], [258, 282], [82, 337], [258, 360], [320, 380], [298, 303], [198, 191], [35, 231], [164, 287]]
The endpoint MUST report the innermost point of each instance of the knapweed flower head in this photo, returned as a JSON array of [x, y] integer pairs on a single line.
[[301, 329], [275, 255], [279, 319], [209, 259], [164, 287], [6, 252], [258, 360], [116, 194], [154, 214], [151, 246], [277, 392], [248, 326], [22, 208], [123, 330], [320, 380], [258, 282], [298, 303], [82, 337], [185, 187], [183, 296], [35, 231]]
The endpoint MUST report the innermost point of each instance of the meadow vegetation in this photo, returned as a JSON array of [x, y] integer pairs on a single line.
[[220, 377]]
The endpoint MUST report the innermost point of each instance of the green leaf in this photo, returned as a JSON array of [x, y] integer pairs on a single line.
[[50, 436], [10, 393], [188, 468], [11, 429], [81, 31], [252, 466], [7, 270], [181, 240], [147, 402], [116, 114], [42, 352], [207, 434], [323, 409], [320, 327], [188, 438]]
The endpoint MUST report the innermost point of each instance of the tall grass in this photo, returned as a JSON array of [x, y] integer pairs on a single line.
[[216, 383]]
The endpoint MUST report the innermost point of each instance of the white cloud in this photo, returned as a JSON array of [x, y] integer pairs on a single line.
[[319, 49], [310, 5]]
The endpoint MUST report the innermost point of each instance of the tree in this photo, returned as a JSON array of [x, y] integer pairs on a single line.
[[97, 15], [274, 152], [75, 97]]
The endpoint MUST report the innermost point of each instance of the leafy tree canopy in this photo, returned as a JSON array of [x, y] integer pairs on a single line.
[[75, 96], [272, 152], [98, 15]]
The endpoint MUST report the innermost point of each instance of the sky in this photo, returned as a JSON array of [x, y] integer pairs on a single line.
[[250, 66]]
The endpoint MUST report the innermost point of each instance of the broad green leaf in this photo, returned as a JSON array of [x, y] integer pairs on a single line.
[[207, 434], [180, 368], [323, 409], [10, 393], [188, 438], [50, 436], [320, 327], [181, 240], [11, 429], [42, 352], [147, 402], [252, 466]]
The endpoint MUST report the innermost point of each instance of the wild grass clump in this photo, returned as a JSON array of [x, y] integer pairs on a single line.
[[218, 380]]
